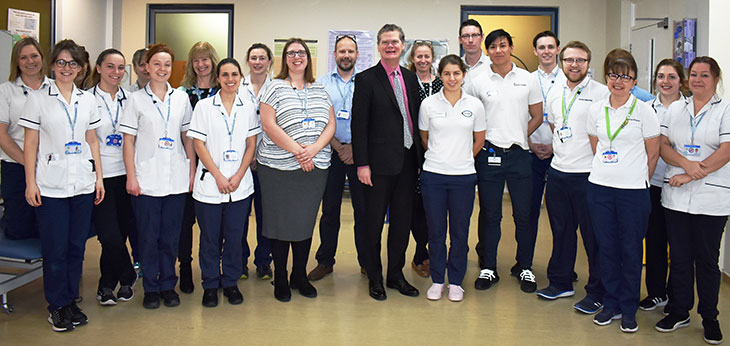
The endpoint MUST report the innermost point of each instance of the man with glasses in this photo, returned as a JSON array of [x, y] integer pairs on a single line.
[[512, 100], [565, 196], [470, 38], [340, 85], [387, 153]]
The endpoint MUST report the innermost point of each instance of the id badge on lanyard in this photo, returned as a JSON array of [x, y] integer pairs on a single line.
[[166, 143]]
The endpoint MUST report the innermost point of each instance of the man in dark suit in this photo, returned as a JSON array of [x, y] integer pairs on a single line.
[[387, 152]]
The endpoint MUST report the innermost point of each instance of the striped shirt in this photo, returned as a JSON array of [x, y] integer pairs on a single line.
[[293, 110]]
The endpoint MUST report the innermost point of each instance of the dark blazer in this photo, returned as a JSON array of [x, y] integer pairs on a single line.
[[377, 124]]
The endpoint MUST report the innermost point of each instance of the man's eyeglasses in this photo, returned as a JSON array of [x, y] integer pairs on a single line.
[[578, 61], [467, 36]]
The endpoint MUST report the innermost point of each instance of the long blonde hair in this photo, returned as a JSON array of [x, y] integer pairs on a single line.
[[15, 57], [200, 48]]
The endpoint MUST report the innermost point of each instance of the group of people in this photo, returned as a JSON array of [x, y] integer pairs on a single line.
[[143, 164]]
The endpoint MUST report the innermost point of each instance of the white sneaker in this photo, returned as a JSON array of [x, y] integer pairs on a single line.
[[434, 292], [456, 293]]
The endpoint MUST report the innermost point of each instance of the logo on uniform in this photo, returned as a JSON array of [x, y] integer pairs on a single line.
[[466, 113]]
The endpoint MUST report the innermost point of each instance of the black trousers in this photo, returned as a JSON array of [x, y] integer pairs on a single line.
[[114, 221], [185, 249], [396, 192], [419, 228], [656, 247], [694, 242]]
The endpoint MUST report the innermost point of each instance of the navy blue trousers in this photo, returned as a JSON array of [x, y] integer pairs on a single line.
[[620, 217], [64, 225], [219, 263], [159, 222], [656, 248], [694, 242], [566, 202], [516, 171], [262, 253], [448, 200], [19, 219], [539, 176], [329, 223]]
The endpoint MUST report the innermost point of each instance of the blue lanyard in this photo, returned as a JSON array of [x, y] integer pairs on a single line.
[[68, 116], [566, 112], [166, 120], [345, 95], [254, 99], [231, 128], [304, 103], [693, 126], [115, 119], [542, 90]]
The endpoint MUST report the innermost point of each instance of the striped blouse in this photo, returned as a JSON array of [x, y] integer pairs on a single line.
[[303, 115]]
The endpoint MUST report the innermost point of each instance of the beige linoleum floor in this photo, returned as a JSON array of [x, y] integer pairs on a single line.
[[344, 314]]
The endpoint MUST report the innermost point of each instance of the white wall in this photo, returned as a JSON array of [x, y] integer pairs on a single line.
[[84, 21]]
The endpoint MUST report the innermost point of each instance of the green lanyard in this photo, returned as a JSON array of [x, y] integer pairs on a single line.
[[566, 112], [608, 124]]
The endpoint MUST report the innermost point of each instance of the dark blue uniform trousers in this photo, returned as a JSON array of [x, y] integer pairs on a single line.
[[262, 253], [64, 225], [221, 221], [539, 176], [159, 220], [19, 219], [620, 217], [565, 199]]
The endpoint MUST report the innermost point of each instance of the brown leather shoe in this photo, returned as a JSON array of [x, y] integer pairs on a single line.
[[423, 270], [319, 272]]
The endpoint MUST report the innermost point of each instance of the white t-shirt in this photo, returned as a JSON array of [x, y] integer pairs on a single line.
[[506, 103], [12, 101], [162, 169], [631, 169], [661, 167], [450, 133], [61, 173], [573, 154], [110, 139], [709, 195], [211, 124], [547, 82]]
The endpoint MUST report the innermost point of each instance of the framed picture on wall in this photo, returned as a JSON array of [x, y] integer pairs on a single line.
[[522, 23], [180, 26]]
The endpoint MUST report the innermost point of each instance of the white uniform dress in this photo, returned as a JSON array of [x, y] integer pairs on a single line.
[[12, 100], [110, 138]]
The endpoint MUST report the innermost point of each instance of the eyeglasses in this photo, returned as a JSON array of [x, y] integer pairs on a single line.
[[578, 61], [615, 76], [421, 42], [71, 64], [295, 53], [467, 36], [340, 37]]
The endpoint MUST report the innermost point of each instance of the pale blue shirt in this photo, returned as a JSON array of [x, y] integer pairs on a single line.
[[340, 93]]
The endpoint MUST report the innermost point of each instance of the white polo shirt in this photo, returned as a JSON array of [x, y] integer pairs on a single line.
[[160, 172], [12, 101], [474, 71], [661, 167], [110, 139], [632, 169], [223, 132], [451, 133], [709, 195], [574, 154], [547, 82], [506, 103], [60, 174]]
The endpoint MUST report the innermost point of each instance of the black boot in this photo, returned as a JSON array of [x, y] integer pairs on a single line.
[[186, 278], [282, 292]]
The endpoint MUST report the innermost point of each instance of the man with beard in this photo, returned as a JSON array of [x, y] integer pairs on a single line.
[[565, 194], [340, 85]]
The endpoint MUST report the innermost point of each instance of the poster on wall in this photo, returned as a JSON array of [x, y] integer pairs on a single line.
[[365, 48], [279, 50], [23, 23]]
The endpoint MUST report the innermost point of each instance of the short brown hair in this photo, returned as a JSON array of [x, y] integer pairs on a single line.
[[15, 57], [284, 73], [575, 45], [619, 61], [158, 48]]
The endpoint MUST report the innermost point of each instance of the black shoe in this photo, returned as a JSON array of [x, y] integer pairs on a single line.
[[526, 277], [403, 287], [651, 303], [672, 322], [60, 321], [234, 296], [629, 325], [186, 278], [264, 272], [713, 334], [125, 293], [105, 296], [210, 297], [377, 291], [304, 286], [151, 300], [282, 292], [77, 317], [487, 278], [170, 298], [575, 277], [244, 273]]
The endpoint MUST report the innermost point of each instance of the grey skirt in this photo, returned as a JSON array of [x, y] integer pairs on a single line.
[[290, 201]]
